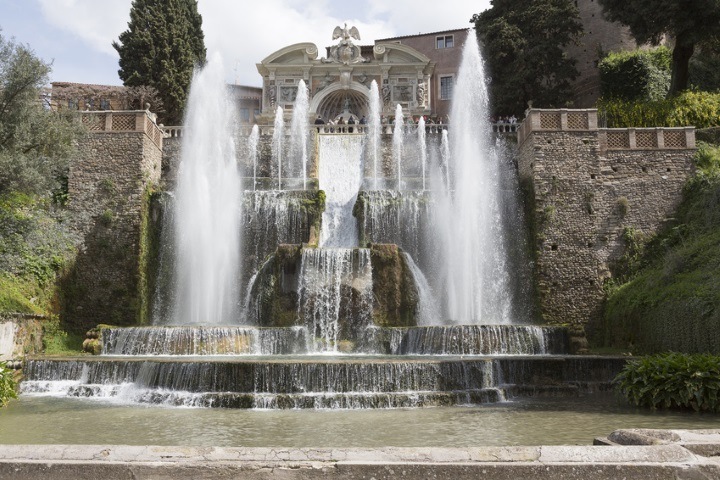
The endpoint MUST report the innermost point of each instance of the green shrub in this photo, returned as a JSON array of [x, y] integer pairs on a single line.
[[7, 385], [636, 75], [673, 380], [698, 109]]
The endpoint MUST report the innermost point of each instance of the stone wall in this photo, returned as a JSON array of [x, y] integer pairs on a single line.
[[20, 335], [590, 190], [118, 162]]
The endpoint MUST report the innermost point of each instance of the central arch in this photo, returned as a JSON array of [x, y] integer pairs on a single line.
[[334, 101]]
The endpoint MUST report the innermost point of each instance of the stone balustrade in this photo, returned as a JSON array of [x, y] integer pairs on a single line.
[[562, 120], [106, 121], [268, 130]]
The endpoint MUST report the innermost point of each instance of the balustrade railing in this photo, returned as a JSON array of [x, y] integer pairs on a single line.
[[539, 120], [107, 121]]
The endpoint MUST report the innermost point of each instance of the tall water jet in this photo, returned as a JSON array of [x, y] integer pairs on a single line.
[[445, 158], [374, 130], [478, 282], [253, 141], [278, 141], [398, 134], [423, 148], [299, 127], [207, 229]]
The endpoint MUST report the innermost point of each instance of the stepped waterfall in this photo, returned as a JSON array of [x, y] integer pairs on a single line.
[[336, 267]]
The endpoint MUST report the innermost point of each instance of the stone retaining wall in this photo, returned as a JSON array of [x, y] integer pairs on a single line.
[[592, 191], [118, 160]]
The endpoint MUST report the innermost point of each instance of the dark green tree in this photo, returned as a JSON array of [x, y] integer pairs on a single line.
[[35, 143], [523, 44], [687, 23], [164, 42]]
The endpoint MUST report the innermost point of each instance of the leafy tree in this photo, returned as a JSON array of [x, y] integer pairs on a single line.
[[35, 143], [162, 45], [635, 75], [688, 23], [524, 43]]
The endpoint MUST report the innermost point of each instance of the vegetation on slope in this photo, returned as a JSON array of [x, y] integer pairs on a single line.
[[671, 301]]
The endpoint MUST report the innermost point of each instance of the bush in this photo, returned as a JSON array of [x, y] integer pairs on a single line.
[[636, 75], [698, 109], [7, 385], [673, 380]]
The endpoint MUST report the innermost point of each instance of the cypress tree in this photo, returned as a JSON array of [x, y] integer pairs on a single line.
[[161, 47]]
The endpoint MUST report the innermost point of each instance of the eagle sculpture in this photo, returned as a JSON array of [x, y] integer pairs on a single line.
[[346, 34]]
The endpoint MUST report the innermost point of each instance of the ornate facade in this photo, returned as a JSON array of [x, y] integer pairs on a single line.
[[339, 85]]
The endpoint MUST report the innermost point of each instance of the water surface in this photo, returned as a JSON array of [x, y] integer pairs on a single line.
[[44, 420]]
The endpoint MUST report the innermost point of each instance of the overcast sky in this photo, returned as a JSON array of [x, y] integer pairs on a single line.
[[76, 35]]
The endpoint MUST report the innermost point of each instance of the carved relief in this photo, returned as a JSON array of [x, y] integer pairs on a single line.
[[288, 94]]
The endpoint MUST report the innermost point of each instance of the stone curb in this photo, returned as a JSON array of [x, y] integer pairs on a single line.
[[21, 462]]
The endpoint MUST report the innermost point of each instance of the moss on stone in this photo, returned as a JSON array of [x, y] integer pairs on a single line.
[[394, 290]]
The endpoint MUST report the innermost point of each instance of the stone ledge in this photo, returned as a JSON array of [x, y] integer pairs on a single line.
[[20, 462]]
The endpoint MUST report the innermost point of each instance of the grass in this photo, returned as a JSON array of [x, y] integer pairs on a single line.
[[671, 300]]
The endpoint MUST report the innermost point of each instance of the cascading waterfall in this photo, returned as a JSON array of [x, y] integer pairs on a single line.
[[208, 198], [428, 313], [398, 141], [340, 176], [335, 287], [278, 144], [253, 151], [374, 130], [299, 126], [478, 281]]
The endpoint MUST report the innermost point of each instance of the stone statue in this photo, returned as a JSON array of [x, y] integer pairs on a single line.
[[345, 51]]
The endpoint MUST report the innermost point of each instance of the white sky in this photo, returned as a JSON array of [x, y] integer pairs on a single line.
[[76, 35]]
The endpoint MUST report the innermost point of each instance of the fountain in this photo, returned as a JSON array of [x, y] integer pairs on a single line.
[[351, 298], [208, 195]]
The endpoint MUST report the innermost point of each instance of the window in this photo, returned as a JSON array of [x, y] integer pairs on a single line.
[[245, 114], [446, 88], [447, 41]]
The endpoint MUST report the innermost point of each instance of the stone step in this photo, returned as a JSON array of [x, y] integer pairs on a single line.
[[317, 382]]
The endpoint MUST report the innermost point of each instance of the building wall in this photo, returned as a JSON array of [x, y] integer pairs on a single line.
[[588, 187], [600, 37], [447, 62]]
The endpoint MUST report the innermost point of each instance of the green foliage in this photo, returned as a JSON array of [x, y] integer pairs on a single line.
[[698, 109], [524, 43], [704, 68], [35, 244], [673, 380], [688, 23], [57, 341], [35, 143], [164, 42], [671, 300], [636, 75], [7, 385]]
